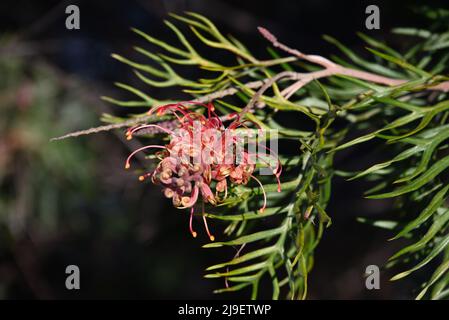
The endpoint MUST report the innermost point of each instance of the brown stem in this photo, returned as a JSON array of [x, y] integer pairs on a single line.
[[146, 118], [267, 84], [330, 69], [311, 58]]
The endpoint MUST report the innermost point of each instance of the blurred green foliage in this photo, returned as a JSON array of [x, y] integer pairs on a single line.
[[41, 183], [39, 179]]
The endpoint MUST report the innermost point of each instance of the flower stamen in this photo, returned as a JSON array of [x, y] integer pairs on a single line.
[[127, 163], [262, 209], [211, 237], [194, 234]]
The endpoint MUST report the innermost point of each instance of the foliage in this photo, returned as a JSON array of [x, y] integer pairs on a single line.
[[38, 188], [33, 172], [405, 110]]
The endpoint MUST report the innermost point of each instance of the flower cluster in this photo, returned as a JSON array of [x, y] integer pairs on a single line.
[[203, 158]]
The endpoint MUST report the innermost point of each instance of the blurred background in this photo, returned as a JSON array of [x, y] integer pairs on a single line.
[[71, 202]]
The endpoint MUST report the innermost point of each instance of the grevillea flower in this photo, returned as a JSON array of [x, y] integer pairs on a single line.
[[203, 158]]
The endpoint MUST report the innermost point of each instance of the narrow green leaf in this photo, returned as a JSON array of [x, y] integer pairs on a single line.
[[402, 156], [429, 175], [233, 288], [435, 251], [249, 256], [439, 222], [243, 270], [248, 215], [267, 234], [400, 62], [161, 44], [432, 207], [374, 67], [439, 272]]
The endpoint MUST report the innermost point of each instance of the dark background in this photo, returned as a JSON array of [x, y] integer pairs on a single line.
[[124, 236]]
